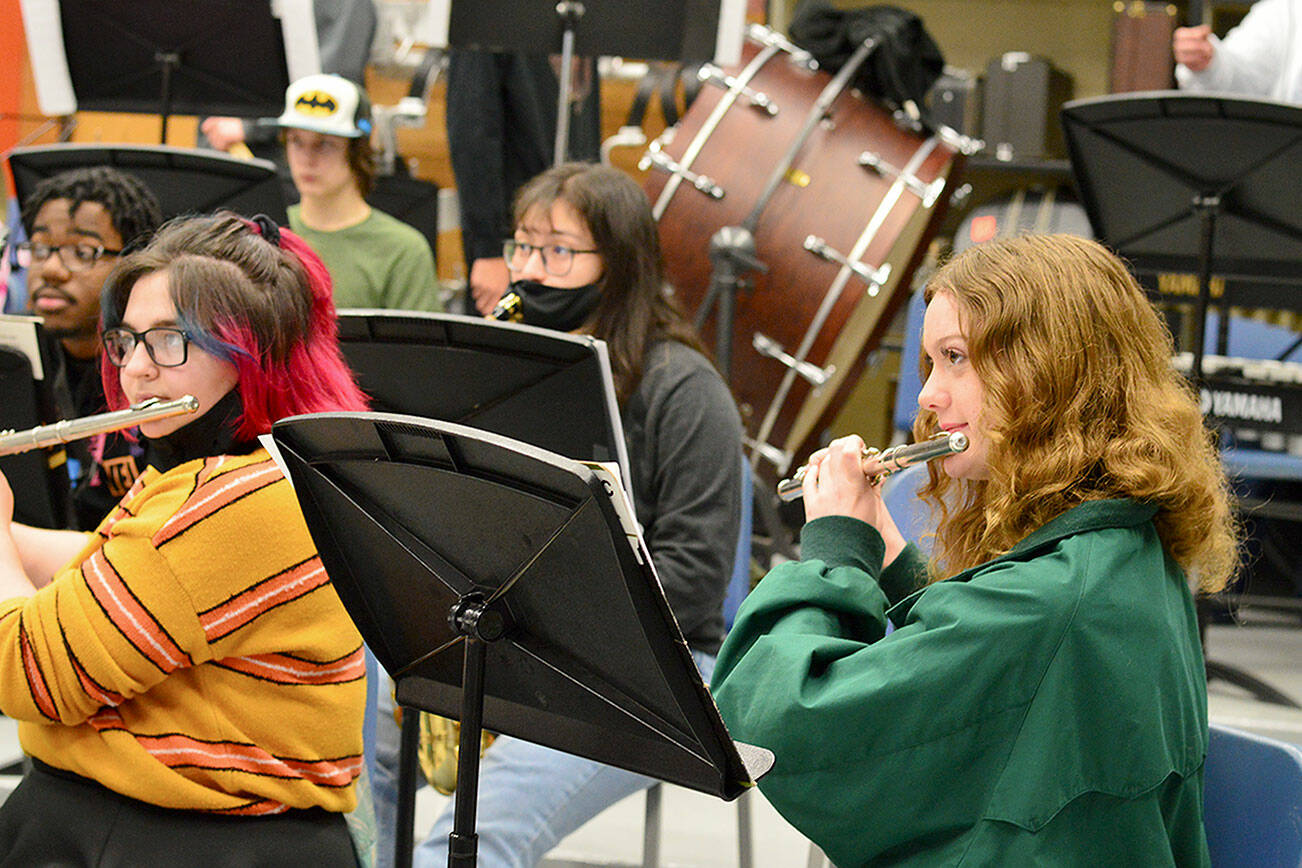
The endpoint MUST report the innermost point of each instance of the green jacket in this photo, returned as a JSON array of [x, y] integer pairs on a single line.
[[1048, 707]]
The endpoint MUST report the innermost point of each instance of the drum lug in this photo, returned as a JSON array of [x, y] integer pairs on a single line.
[[928, 193], [711, 74], [655, 157], [779, 458], [874, 277], [795, 54], [769, 348]]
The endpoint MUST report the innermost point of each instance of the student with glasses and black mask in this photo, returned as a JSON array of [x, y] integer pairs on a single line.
[[585, 257], [186, 681], [79, 223]]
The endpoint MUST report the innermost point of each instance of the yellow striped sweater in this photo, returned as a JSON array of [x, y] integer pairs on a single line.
[[194, 655]]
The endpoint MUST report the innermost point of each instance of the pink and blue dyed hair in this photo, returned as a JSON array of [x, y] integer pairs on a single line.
[[255, 296]]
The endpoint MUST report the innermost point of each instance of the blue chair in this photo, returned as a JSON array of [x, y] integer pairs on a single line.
[[909, 383], [1253, 800]]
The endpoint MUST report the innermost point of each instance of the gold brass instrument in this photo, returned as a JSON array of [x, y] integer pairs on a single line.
[[440, 739], [509, 308], [13, 442], [878, 464]]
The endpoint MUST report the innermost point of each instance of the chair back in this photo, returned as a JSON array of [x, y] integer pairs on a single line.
[[1253, 800], [910, 381], [739, 584], [912, 516]]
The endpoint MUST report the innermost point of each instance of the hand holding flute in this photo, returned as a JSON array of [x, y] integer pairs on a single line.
[[843, 480]]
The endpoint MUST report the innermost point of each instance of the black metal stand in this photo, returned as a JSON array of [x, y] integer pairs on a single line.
[[222, 57], [528, 553], [732, 254], [185, 180], [646, 29], [569, 11], [479, 624], [1215, 174]]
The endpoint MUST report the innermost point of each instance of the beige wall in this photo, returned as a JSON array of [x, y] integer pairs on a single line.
[[1075, 34]]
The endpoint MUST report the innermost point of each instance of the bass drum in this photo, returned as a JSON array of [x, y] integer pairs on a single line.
[[847, 221]]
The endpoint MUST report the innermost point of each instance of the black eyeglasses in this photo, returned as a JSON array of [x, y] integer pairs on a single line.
[[75, 257], [167, 346], [557, 259]]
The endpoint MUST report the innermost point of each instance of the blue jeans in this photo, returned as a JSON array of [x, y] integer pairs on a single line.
[[530, 796]]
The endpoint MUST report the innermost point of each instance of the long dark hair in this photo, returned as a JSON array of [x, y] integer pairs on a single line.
[[635, 309]]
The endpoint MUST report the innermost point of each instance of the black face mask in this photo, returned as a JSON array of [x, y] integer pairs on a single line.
[[553, 308]]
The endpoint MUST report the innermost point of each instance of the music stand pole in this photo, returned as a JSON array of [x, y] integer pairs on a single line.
[[168, 61], [732, 253], [479, 624], [570, 11], [405, 818], [1206, 206]]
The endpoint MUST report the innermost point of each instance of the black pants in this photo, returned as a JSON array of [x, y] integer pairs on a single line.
[[58, 818]]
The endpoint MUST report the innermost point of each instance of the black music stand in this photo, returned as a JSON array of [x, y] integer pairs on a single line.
[[689, 31], [549, 389], [1192, 183], [1187, 182], [186, 181], [223, 57], [499, 585]]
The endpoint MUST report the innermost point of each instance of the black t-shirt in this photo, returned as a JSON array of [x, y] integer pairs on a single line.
[[100, 468]]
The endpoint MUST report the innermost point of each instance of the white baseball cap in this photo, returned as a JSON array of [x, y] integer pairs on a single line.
[[329, 104]]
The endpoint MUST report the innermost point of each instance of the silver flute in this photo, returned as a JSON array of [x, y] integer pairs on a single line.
[[877, 464], [12, 442]]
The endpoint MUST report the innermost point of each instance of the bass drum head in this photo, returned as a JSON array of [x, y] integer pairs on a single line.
[[854, 200]]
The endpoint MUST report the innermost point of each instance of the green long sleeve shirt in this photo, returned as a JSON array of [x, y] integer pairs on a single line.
[[1047, 707]]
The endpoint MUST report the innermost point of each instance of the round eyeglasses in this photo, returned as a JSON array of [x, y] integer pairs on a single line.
[[75, 257], [167, 346], [557, 259]]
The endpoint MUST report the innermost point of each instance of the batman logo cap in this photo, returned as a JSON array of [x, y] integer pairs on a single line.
[[328, 104]]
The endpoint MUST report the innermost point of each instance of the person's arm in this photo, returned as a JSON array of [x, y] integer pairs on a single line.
[[44, 552], [14, 581], [101, 630], [693, 472], [1250, 59], [907, 729], [489, 279], [835, 484]]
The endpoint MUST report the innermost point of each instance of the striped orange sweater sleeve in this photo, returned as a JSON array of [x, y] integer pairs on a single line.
[[194, 655]]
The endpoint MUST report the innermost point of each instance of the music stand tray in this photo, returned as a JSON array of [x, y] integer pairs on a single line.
[[469, 558], [185, 180]]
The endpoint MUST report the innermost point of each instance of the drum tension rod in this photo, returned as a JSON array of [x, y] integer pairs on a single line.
[[770, 38], [779, 458], [657, 158], [711, 74], [874, 277], [766, 346], [928, 193]]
